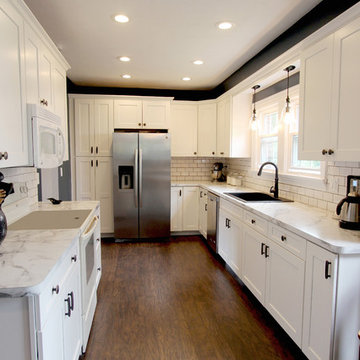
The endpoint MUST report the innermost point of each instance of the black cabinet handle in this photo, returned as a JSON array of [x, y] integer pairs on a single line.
[[253, 221], [283, 238], [97, 149], [229, 226], [327, 267], [55, 289], [98, 269], [68, 313], [71, 295], [91, 149], [97, 162], [92, 163], [74, 258], [180, 193], [205, 207], [331, 151], [262, 248], [266, 251], [324, 152]]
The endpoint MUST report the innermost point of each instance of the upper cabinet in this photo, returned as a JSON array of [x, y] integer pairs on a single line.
[[13, 134], [223, 128], [329, 125], [93, 127], [206, 134], [183, 129], [141, 114]]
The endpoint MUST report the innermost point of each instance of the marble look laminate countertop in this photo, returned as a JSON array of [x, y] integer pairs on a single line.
[[311, 223], [28, 257]]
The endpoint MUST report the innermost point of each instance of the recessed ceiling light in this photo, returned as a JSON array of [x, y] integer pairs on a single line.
[[121, 18], [225, 25], [186, 78], [124, 58], [126, 76], [198, 62]]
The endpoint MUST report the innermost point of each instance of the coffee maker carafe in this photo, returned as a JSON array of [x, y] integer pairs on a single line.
[[349, 207]]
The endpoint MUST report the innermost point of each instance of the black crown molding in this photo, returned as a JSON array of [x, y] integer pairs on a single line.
[[320, 15]]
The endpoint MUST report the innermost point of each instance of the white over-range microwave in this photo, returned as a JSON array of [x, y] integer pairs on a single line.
[[47, 142]]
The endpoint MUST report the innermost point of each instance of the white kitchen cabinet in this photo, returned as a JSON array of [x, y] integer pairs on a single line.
[[203, 212], [45, 78], [176, 208], [206, 134], [230, 239], [156, 114], [328, 86], [276, 277], [223, 128], [93, 127], [183, 129], [94, 181], [14, 133], [319, 309], [184, 208], [141, 114]]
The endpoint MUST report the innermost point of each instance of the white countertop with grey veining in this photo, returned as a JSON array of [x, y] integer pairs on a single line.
[[309, 222], [28, 257]]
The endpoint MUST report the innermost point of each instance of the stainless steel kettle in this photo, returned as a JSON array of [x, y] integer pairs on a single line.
[[349, 207]]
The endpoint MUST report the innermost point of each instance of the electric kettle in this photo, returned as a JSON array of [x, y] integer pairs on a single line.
[[349, 207]]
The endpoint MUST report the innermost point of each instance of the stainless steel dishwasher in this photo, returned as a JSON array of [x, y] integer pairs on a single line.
[[212, 220]]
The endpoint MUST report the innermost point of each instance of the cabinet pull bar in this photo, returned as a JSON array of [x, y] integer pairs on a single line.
[[68, 313], [283, 238], [262, 248], [97, 149], [71, 300], [327, 269], [97, 162], [205, 207], [91, 149], [229, 226], [179, 192], [92, 163], [253, 221], [266, 251]]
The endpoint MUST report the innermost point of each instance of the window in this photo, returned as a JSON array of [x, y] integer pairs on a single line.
[[277, 142]]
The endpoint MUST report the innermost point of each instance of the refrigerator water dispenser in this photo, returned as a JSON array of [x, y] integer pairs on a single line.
[[126, 177]]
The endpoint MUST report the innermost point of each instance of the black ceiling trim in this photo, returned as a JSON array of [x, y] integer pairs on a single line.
[[320, 15]]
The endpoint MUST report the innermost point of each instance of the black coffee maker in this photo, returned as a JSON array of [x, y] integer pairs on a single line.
[[217, 172], [5, 190]]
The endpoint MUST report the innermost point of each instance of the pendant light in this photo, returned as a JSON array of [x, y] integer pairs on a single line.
[[288, 115], [253, 121]]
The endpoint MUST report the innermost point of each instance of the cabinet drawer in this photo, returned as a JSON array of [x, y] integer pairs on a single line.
[[256, 222], [232, 209], [292, 242], [50, 295]]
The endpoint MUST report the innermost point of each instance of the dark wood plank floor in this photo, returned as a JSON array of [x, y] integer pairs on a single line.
[[175, 301]]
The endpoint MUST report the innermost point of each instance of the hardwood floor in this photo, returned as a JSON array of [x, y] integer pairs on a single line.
[[174, 301]]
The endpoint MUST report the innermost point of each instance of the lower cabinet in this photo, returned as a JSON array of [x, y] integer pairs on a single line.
[[203, 212], [319, 301], [184, 208], [94, 181], [229, 240]]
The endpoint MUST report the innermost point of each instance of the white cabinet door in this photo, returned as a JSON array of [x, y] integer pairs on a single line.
[[13, 134], [319, 302], [253, 262], [224, 236], [127, 114], [223, 128], [176, 208], [50, 344], [203, 212], [190, 203], [71, 307], [156, 114], [315, 100], [183, 129], [45, 83], [103, 126], [285, 290], [206, 137], [85, 178], [84, 127], [104, 192], [345, 116]]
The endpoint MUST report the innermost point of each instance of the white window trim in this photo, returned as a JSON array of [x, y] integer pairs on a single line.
[[297, 179]]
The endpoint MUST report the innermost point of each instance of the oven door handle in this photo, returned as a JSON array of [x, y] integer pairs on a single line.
[[90, 228]]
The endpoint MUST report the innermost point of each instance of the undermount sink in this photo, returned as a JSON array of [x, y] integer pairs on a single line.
[[256, 196]]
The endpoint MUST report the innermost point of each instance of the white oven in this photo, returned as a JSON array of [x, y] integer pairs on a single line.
[[48, 143], [89, 245]]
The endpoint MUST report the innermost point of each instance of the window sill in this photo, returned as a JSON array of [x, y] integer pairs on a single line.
[[297, 180]]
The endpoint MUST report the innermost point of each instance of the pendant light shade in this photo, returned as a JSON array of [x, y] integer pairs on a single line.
[[253, 121], [288, 114]]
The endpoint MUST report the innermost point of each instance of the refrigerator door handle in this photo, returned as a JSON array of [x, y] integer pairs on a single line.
[[136, 178], [140, 178]]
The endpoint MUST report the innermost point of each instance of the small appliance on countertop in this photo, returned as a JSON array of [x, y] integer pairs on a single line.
[[5, 190], [217, 172], [349, 207]]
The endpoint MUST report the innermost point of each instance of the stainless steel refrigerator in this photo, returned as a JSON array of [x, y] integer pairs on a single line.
[[141, 170]]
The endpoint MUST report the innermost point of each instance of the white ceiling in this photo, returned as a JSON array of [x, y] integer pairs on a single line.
[[162, 38]]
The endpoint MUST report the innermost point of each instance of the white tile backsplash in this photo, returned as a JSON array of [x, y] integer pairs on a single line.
[[28, 175]]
